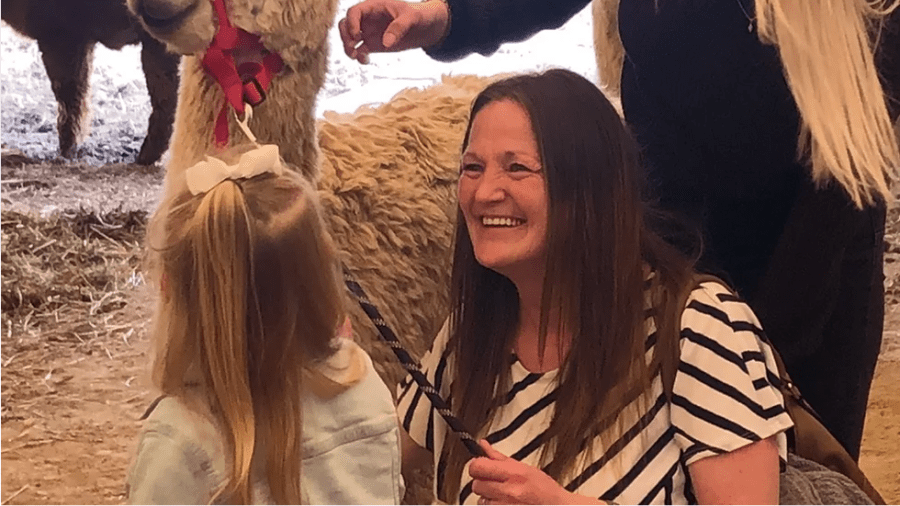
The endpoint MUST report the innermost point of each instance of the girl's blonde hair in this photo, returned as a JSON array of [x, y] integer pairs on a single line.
[[826, 49], [249, 299]]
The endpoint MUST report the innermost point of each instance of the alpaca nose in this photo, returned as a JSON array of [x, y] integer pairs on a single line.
[[164, 13]]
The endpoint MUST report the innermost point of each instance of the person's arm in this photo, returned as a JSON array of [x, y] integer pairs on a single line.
[[448, 29], [480, 26], [748, 475], [728, 417]]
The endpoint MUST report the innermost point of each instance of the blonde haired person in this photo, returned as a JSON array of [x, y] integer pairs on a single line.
[[267, 398], [763, 123]]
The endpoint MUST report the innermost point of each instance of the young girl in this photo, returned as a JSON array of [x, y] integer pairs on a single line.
[[267, 400]]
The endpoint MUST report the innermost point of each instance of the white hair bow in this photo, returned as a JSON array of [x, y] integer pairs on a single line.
[[203, 176]]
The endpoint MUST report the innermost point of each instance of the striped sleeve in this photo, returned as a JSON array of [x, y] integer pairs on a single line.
[[724, 396], [417, 416]]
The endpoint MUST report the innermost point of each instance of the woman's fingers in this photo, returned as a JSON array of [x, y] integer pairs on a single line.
[[487, 469], [490, 451], [489, 487]]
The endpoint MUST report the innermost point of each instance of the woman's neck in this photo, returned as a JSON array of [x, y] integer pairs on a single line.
[[527, 344]]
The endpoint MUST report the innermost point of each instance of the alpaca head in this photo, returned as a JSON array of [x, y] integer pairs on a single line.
[[292, 28]]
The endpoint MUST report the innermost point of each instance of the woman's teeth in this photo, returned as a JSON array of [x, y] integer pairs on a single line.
[[501, 222]]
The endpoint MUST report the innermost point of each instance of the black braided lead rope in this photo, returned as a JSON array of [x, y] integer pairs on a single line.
[[412, 366]]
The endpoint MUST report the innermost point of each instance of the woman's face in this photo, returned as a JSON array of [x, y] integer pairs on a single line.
[[502, 191]]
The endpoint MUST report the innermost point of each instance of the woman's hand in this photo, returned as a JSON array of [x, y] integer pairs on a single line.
[[376, 26], [498, 479]]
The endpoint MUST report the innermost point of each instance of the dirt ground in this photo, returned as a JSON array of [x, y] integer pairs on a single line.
[[75, 336]]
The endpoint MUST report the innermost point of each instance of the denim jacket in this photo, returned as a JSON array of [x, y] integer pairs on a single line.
[[350, 448]]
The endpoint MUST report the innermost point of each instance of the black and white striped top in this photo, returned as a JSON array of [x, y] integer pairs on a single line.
[[723, 398]]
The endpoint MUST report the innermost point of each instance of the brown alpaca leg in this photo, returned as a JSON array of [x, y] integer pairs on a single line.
[[68, 64], [161, 73]]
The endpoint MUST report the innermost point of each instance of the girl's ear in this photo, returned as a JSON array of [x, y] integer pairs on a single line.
[[345, 330]]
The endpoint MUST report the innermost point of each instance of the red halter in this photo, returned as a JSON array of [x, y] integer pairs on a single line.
[[219, 63]]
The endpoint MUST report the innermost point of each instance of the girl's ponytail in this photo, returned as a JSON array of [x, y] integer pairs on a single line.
[[222, 259], [251, 303]]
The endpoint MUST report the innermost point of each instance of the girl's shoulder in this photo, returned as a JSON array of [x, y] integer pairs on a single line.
[[181, 419], [346, 394], [178, 444], [185, 425]]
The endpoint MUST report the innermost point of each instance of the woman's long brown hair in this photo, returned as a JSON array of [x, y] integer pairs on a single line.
[[250, 297], [600, 244]]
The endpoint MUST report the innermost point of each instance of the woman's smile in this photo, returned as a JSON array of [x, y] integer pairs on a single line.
[[502, 191]]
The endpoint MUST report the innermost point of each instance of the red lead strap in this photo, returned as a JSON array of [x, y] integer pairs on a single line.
[[219, 63]]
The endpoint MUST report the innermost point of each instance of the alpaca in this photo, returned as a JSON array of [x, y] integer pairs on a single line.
[[386, 176], [66, 32], [296, 30]]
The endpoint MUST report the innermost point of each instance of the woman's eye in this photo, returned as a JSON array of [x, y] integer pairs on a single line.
[[518, 167], [471, 168]]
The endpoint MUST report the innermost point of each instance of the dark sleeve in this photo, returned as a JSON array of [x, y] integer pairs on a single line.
[[888, 60], [482, 25]]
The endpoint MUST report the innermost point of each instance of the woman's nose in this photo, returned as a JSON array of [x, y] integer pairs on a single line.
[[492, 187]]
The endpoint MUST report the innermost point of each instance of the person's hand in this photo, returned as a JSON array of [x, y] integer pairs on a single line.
[[498, 479], [392, 25]]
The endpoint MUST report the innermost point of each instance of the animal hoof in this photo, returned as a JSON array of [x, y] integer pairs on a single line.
[[150, 152], [67, 152], [147, 161]]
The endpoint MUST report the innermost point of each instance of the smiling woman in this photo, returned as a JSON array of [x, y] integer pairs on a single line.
[[502, 192], [552, 351]]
